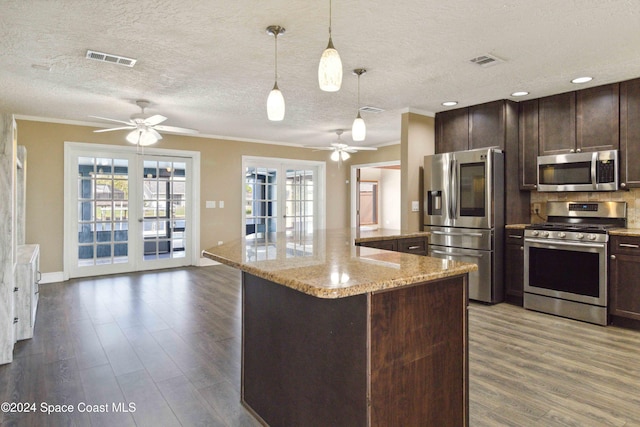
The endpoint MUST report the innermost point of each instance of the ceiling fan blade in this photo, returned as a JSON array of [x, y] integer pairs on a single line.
[[112, 120], [321, 148], [175, 129], [118, 128], [154, 120], [363, 148], [154, 133]]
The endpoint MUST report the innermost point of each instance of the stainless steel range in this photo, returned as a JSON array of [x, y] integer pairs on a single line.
[[566, 259]]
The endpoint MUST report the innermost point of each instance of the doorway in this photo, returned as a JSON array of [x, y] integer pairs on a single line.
[[375, 196], [127, 210]]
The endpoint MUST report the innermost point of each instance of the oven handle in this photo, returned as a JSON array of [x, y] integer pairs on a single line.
[[551, 245], [434, 251], [594, 162]]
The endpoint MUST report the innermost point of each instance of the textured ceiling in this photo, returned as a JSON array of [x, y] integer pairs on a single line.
[[209, 65]]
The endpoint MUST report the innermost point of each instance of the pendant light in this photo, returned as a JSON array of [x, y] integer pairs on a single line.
[[330, 68], [359, 128], [275, 101]]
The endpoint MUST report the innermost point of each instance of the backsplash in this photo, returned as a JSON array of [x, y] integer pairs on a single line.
[[632, 197]]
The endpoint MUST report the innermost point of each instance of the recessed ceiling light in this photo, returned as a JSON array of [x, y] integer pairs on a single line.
[[520, 93], [450, 103], [579, 80]]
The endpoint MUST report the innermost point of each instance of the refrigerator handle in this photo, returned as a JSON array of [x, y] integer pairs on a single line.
[[453, 183]]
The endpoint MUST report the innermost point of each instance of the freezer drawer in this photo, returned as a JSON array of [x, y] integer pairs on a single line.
[[480, 281], [470, 238]]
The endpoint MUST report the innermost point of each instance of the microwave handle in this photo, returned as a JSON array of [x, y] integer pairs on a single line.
[[594, 162]]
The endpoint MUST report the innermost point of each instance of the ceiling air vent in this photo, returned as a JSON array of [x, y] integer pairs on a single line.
[[369, 109], [114, 59], [486, 60]]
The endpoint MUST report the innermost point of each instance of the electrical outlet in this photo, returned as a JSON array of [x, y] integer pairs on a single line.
[[536, 208]]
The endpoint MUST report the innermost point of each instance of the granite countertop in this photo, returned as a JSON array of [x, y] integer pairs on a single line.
[[386, 234], [327, 264], [516, 226], [625, 232]]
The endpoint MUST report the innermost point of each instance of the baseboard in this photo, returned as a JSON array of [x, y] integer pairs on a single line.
[[55, 277]]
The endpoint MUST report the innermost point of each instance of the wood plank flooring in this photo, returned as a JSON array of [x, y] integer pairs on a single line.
[[169, 342]]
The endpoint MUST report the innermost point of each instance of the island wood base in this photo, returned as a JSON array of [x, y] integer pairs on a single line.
[[390, 358]]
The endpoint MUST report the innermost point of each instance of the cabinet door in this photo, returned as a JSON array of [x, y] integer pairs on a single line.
[[630, 133], [624, 268], [487, 125], [514, 266], [597, 120], [528, 144], [452, 130], [557, 123], [389, 245]]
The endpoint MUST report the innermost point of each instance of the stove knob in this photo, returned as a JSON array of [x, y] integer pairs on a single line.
[[562, 235], [591, 236], [545, 234], [535, 232], [580, 236]]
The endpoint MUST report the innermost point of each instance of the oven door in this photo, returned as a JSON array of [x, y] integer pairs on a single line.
[[573, 271]]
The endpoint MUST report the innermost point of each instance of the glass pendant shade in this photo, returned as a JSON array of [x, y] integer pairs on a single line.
[[344, 155], [330, 69], [141, 137], [275, 104], [359, 129]]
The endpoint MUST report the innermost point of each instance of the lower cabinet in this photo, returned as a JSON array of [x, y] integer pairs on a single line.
[[514, 266], [411, 245], [26, 290], [624, 287]]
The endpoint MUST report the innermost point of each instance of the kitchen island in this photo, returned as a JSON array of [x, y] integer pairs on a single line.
[[335, 334]]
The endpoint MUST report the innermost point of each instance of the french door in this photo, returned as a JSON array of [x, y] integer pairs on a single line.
[[133, 211], [282, 195]]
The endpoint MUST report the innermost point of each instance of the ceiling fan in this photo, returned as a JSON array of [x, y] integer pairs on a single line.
[[340, 150], [144, 127]]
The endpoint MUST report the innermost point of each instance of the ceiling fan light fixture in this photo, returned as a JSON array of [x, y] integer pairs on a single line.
[[275, 100], [141, 137], [330, 67], [335, 155], [344, 155]]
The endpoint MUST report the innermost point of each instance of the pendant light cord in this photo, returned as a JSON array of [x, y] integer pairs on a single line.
[[276, 37], [330, 19]]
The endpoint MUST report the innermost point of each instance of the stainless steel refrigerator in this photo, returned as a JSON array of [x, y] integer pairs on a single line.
[[464, 211]]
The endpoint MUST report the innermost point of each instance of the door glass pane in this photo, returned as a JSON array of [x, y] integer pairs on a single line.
[[261, 192], [103, 194], [299, 204], [164, 209]]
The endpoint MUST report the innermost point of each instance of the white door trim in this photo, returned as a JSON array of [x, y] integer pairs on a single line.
[[354, 188]]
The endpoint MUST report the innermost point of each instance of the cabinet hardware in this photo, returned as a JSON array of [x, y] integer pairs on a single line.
[[579, 150], [572, 151], [515, 236], [15, 320], [413, 248], [15, 289], [522, 248], [623, 184], [613, 257], [628, 245]]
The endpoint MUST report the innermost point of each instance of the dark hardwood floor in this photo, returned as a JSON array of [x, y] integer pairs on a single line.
[[168, 342]]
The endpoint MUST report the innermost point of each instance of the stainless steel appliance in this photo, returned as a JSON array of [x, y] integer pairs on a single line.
[[594, 171], [566, 259], [464, 211]]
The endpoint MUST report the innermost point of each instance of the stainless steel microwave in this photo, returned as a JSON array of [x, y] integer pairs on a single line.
[[594, 171]]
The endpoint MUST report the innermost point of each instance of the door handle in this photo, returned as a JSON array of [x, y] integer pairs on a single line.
[[454, 254], [445, 233]]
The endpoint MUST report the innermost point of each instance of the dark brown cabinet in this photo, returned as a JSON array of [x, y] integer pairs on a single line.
[[528, 144], [624, 287], [598, 118], [514, 266], [630, 133], [410, 245], [452, 130], [557, 124]]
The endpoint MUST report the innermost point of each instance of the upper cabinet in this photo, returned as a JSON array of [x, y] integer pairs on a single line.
[[630, 133], [452, 130], [528, 144], [585, 120], [479, 126], [557, 124]]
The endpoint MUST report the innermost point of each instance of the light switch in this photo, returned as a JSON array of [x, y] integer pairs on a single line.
[[211, 204], [415, 206], [221, 204]]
